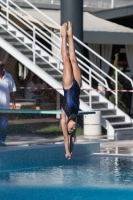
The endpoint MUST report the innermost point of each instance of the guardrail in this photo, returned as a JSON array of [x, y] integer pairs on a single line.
[[105, 4], [92, 71]]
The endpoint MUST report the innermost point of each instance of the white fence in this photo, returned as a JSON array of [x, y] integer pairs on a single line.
[[92, 71], [105, 4]]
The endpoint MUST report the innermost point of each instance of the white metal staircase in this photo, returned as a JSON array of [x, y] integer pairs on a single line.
[[26, 48]]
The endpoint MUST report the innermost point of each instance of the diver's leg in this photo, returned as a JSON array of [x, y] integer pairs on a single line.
[[67, 68], [75, 67]]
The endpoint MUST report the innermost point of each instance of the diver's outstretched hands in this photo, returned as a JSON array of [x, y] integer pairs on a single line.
[[68, 155]]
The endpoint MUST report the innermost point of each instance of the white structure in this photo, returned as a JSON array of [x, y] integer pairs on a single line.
[[47, 64], [92, 124]]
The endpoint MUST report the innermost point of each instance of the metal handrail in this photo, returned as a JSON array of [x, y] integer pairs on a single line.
[[54, 42], [23, 31], [37, 21], [76, 39], [35, 8], [90, 3], [58, 49], [35, 28], [46, 40], [28, 47], [92, 73]]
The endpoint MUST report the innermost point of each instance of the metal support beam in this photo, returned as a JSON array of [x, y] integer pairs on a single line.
[[72, 10]]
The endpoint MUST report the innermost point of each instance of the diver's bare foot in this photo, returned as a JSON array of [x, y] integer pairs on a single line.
[[68, 155], [69, 32], [63, 30]]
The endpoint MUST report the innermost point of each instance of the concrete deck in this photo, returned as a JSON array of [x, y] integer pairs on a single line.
[[123, 147]]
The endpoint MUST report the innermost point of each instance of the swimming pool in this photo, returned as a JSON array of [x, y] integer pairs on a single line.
[[34, 174]]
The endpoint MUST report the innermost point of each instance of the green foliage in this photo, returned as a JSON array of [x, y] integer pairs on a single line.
[[121, 104], [79, 131], [52, 128], [55, 129]]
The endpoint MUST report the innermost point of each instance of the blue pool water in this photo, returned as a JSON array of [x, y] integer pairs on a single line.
[[26, 175]]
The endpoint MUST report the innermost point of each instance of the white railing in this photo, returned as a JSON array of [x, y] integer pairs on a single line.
[[28, 25], [105, 4], [91, 70], [41, 1]]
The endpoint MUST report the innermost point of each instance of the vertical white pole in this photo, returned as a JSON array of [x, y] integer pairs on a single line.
[[112, 3], [116, 89], [90, 96], [25, 72], [34, 38], [52, 1], [58, 104], [7, 12], [20, 73]]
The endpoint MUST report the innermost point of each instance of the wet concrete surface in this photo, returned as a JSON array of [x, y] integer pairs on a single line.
[[106, 146]]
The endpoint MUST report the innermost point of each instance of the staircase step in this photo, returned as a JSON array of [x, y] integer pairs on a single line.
[[126, 128], [4, 33], [38, 59], [114, 118], [59, 79], [12, 39], [29, 52], [86, 97], [93, 101], [40, 62], [19, 45], [123, 134], [47, 66], [57, 76], [51, 71], [108, 112], [122, 125], [82, 92], [3, 23], [99, 105]]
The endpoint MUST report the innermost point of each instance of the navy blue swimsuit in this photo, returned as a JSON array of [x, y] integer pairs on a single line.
[[70, 103]]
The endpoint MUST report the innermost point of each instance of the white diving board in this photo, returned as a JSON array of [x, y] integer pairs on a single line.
[[47, 112]]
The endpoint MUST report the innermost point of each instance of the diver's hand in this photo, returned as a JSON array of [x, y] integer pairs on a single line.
[[68, 155]]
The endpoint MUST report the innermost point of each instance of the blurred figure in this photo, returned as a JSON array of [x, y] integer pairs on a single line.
[[35, 89], [7, 92]]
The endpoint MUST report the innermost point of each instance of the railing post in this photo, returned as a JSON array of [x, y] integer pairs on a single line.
[[33, 46], [116, 89], [7, 12], [90, 96], [57, 104], [112, 3], [69, 8]]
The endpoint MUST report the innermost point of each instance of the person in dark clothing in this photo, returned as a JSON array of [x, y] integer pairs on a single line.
[[7, 93]]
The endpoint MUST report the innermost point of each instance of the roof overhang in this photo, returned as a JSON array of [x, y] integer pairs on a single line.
[[100, 31], [95, 30], [114, 13]]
